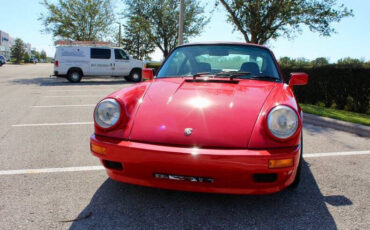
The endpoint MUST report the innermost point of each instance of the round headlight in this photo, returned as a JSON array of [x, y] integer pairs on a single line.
[[107, 113], [282, 121]]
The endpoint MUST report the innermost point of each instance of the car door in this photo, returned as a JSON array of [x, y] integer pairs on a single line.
[[121, 65], [101, 61]]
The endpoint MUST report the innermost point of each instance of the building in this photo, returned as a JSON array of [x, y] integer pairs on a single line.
[[6, 42]]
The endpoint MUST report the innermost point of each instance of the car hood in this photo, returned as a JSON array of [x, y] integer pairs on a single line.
[[217, 113]]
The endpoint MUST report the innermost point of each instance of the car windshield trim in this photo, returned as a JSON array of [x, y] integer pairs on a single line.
[[265, 52]]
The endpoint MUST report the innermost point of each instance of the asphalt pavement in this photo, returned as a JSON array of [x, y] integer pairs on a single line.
[[46, 181]]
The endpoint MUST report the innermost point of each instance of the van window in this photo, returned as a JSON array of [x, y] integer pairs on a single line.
[[120, 54], [100, 53]]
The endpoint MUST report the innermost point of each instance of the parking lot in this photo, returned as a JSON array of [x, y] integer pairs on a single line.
[[49, 179]]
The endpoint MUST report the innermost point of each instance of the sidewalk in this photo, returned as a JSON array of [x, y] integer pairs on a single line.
[[361, 130]]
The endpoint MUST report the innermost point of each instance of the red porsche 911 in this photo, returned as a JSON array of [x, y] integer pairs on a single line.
[[217, 117]]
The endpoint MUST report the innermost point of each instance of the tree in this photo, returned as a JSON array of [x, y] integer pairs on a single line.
[[261, 20], [302, 62], [366, 64], [286, 62], [136, 40], [320, 61], [161, 16], [84, 20], [36, 54], [350, 61], [17, 50], [43, 55], [26, 58]]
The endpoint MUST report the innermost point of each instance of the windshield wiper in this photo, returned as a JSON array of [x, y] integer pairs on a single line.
[[232, 74], [200, 74], [265, 77]]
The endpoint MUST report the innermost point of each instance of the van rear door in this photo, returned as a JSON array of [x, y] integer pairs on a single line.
[[101, 62]]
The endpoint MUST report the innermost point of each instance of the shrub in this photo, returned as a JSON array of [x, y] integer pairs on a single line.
[[154, 65], [26, 58], [341, 87]]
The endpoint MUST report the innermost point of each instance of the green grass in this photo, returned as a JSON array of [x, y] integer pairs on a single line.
[[336, 114]]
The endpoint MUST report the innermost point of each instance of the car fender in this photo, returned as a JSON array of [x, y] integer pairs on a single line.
[[282, 94], [129, 99]]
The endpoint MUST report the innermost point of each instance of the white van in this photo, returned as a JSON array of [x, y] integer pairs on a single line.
[[74, 62]]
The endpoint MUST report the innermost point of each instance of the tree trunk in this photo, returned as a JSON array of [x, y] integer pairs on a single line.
[[165, 53], [254, 38], [237, 23]]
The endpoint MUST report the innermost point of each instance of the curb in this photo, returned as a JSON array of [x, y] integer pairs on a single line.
[[361, 130]]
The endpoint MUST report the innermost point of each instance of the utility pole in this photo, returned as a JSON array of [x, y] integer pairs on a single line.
[[181, 22], [119, 35]]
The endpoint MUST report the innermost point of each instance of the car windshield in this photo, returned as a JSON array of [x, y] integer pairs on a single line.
[[220, 59]]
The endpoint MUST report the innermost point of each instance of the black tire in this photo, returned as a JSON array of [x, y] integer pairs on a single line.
[[135, 76], [298, 176], [74, 76]]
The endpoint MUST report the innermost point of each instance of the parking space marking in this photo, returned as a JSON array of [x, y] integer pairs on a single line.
[[51, 170], [99, 167], [309, 155], [53, 124], [78, 90], [98, 95], [57, 106]]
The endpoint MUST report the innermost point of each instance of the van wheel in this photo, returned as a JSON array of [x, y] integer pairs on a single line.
[[135, 76], [74, 76]]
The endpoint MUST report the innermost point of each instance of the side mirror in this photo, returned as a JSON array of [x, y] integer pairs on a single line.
[[148, 74], [298, 79]]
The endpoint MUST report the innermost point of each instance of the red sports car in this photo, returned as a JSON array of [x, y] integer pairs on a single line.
[[217, 117]]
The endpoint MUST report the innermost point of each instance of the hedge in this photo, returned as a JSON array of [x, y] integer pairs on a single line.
[[339, 87]]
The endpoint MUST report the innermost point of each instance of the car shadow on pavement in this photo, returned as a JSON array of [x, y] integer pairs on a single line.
[[117, 205], [315, 130], [43, 81]]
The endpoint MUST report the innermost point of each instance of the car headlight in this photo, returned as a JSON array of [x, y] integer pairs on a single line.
[[107, 113], [282, 121]]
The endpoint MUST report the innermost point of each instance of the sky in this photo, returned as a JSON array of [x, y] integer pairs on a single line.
[[19, 18]]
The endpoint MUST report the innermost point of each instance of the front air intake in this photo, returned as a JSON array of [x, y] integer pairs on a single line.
[[264, 177], [112, 165]]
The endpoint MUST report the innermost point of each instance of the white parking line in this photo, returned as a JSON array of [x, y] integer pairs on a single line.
[[332, 154], [78, 95], [53, 124], [79, 90], [51, 170], [99, 167], [57, 106]]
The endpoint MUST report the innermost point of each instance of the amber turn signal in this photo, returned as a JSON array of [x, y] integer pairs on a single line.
[[98, 149], [281, 163]]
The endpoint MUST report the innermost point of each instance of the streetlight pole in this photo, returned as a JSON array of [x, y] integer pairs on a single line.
[[119, 35], [181, 22]]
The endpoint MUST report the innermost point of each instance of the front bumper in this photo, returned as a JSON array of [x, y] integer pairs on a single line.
[[226, 170]]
